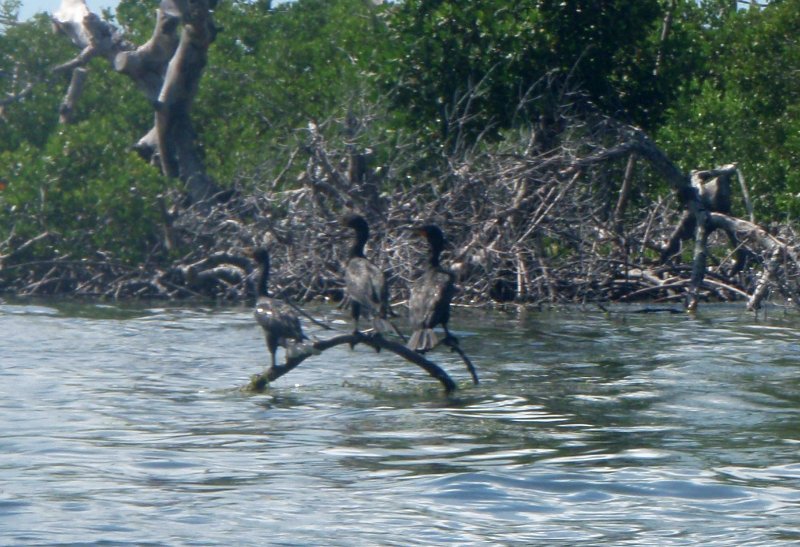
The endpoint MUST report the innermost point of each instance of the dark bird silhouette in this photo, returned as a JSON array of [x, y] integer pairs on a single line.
[[365, 283], [429, 303], [279, 320]]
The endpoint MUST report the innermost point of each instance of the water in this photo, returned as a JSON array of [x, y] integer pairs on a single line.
[[126, 425]]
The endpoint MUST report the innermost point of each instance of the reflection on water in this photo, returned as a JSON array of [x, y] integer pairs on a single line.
[[127, 425]]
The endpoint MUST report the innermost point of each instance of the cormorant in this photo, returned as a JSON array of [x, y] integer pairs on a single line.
[[365, 283], [279, 321], [429, 303]]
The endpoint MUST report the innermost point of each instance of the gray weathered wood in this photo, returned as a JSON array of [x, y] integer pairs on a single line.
[[167, 69]]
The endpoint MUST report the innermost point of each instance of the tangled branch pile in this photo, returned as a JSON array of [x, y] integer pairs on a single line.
[[566, 225]]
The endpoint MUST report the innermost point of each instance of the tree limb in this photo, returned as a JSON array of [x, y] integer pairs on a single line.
[[167, 68], [259, 382]]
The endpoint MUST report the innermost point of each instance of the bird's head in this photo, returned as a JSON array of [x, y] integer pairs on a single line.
[[356, 222], [432, 233], [261, 256]]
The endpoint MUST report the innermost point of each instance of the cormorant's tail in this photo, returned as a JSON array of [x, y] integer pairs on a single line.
[[383, 326], [423, 340]]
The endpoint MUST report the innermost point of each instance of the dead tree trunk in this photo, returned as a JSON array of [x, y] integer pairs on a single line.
[[701, 194], [714, 187], [167, 69], [706, 198]]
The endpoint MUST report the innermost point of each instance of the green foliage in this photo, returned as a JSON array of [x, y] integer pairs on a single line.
[[69, 188], [136, 17], [80, 181], [9, 12], [463, 67], [743, 107], [27, 53], [272, 71], [441, 74]]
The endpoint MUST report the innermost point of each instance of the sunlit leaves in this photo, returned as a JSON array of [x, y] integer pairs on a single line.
[[272, 71], [497, 53], [69, 188], [744, 107]]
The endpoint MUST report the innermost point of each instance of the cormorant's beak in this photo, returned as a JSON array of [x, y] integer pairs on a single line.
[[334, 230], [340, 232]]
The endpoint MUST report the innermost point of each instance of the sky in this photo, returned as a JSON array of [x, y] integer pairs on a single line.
[[30, 7]]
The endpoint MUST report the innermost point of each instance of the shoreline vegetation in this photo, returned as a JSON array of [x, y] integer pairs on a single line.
[[548, 201], [522, 230]]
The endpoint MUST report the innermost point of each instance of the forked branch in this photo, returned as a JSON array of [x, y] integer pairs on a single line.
[[259, 382]]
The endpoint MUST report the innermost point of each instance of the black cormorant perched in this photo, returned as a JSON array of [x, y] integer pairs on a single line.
[[364, 282], [429, 303], [279, 321]]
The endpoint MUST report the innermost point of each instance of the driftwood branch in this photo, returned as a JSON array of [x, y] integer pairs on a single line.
[[705, 197], [779, 254], [452, 343], [259, 382], [21, 248], [701, 193], [145, 65]]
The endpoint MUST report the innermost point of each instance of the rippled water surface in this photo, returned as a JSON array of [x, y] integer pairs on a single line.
[[127, 425]]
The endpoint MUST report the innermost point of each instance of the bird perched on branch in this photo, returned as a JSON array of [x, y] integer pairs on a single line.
[[365, 283], [429, 303], [279, 320]]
